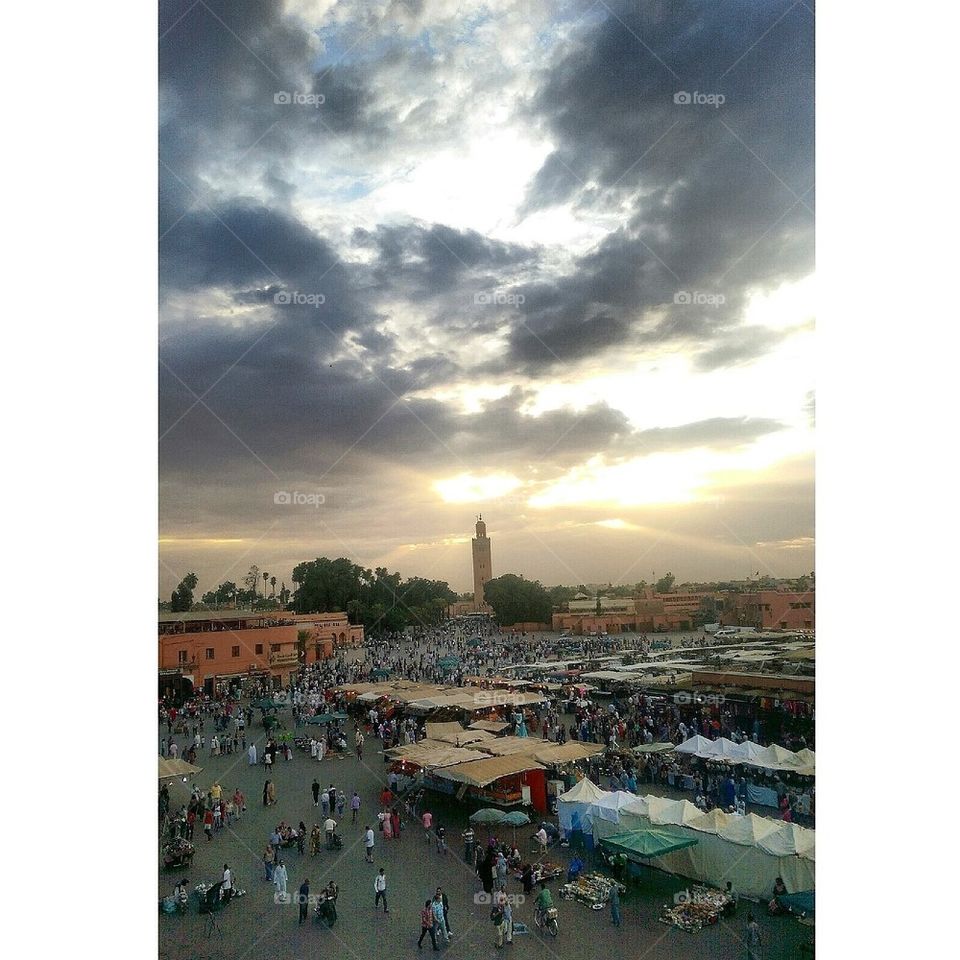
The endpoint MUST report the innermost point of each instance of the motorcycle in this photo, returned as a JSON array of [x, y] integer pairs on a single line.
[[547, 920]]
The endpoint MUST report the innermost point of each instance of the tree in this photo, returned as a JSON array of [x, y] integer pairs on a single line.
[[181, 599], [665, 584], [266, 577], [284, 595], [518, 600], [252, 578], [273, 586]]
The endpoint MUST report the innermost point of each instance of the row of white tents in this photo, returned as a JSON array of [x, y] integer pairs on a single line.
[[773, 757], [749, 851]]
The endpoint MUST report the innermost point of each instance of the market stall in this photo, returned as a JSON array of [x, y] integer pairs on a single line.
[[701, 907]]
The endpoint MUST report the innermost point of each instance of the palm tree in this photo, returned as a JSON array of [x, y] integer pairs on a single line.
[[273, 586], [266, 577]]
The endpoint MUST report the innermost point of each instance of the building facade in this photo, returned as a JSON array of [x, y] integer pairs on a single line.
[[213, 650], [771, 610]]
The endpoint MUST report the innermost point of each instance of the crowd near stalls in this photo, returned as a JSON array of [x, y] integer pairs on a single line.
[[467, 716]]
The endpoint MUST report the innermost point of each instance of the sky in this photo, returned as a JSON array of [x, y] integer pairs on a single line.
[[549, 261]]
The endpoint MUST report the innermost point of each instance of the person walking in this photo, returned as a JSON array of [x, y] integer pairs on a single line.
[[615, 905], [325, 804], [753, 938], [271, 794], [505, 929], [227, 886], [268, 855], [427, 923], [380, 891], [368, 844], [280, 881], [208, 823], [341, 803], [303, 899], [427, 821], [355, 805], [446, 910], [252, 755], [439, 926], [315, 787], [501, 872]]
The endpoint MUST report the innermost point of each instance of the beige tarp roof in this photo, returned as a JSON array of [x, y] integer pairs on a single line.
[[175, 767], [436, 731], [479, 773], [433, 753], [491, 726], [567, 752], [507, 746]]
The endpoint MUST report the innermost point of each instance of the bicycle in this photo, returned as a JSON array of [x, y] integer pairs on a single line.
[[547, 920]]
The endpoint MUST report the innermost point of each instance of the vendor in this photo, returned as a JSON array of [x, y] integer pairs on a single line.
[[779, 890]]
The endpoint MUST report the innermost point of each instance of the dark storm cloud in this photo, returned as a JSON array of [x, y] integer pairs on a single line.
[[719, 191], [429, 259]]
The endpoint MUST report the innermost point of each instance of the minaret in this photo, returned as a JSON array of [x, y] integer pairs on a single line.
[[482, 569]]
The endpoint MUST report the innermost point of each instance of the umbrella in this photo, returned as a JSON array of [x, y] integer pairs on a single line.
[[379, 674], [516, 818], [269, 722], [267, 704], [474, 642], [488, 815]]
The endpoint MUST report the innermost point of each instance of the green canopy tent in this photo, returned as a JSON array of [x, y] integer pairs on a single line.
[[270, 722], [474, 642], [449, 663], [379, 674], [327, 718], [645, 844]]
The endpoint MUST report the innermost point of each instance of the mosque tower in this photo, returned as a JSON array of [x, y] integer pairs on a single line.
[[482, 569]]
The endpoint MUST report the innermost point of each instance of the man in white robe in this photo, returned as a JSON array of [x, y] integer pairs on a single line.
[[252, 755]]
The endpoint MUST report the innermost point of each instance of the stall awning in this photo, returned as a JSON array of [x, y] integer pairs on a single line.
[[478, 773], [174, 767], [430, 754], [647, 843]]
